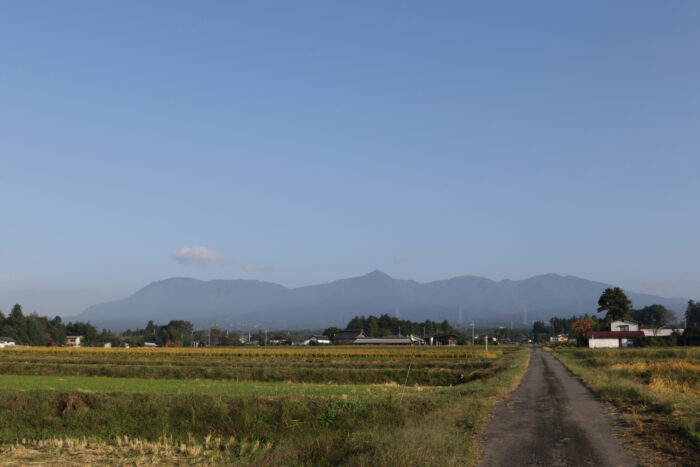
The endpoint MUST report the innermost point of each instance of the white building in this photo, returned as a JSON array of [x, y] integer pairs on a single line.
[[7, 342], [560, 338], [612, 339], [317, 340], [320, 340], [73, 341], [662, 332], [624, 325], [627, 325]]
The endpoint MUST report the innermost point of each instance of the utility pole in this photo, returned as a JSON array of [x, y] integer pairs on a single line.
[[265, 337], [472, 332], [486, 339]]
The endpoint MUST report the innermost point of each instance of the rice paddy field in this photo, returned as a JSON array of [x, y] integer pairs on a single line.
[[253, 406], [655, 390]]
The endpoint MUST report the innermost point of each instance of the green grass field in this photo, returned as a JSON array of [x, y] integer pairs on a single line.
[[315, 406], [210, 387]]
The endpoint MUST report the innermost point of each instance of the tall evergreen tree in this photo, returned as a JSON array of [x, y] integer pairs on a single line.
[[615, 302], [692, 313]]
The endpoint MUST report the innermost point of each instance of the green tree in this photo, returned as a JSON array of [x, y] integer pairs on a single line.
[[36, 333], [57, 332], [358, 322], [261, 338], [656, 316], [692, 314], [541, 331], [615, 302], [150, 331], [373, 327], [18, 323]]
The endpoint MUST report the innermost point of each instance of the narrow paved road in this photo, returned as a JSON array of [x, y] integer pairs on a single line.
[[552, 419]]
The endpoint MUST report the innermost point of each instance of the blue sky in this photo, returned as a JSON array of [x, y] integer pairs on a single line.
[[302, 142]]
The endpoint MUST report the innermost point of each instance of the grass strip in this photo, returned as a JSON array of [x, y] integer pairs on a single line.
[[208, 387]]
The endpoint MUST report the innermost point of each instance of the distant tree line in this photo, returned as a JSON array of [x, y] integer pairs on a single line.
[[176, 333], [179, 333], [42, 331], [386, 325]]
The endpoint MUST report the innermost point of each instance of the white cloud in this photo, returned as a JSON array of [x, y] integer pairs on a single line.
[[200, 256]]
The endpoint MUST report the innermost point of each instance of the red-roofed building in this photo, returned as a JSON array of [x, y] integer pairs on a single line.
[[612, 339]]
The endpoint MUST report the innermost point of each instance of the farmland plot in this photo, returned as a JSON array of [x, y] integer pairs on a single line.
[[376, 406]]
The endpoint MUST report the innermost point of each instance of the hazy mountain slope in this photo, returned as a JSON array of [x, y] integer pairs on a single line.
[[248, 304], [210, 302]]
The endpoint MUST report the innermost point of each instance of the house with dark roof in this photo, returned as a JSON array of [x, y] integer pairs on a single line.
[[319, 340], [612, 339], [649, 331], [279, 340], [348, 336], [393, 340]]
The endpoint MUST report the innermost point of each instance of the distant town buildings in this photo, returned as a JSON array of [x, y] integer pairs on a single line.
[[445, 339], [358, 337]]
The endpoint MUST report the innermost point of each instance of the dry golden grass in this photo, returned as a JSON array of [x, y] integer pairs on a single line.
[[670, 386], [665, 367], [666, 376], [126, 451]]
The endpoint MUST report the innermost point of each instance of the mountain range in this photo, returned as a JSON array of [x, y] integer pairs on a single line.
[[251, 304]]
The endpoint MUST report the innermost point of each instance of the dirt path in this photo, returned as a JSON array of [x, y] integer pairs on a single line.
[[552, 419]]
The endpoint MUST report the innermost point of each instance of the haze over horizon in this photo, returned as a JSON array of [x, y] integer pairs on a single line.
[[304, 143]]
